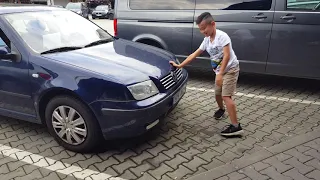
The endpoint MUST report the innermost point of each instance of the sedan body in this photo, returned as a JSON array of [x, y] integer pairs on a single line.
[[82, 83]]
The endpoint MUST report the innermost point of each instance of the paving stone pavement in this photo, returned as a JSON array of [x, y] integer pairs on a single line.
[[296, 159], [272, 110]]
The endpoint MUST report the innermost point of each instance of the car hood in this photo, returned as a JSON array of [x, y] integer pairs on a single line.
[[120, 60]]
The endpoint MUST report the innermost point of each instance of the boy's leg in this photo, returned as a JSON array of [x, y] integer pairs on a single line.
[[228, 90], [219, 101], [231, 108], [218, 93]]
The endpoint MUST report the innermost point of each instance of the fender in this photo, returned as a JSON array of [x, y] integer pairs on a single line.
[[150, 37]]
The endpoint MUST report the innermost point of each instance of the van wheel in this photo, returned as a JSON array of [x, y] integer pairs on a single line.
[[151, 43], [72, 124]]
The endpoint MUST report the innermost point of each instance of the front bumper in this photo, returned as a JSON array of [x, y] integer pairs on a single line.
[[130, 122]]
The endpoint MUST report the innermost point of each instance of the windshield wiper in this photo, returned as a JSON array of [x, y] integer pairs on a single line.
[[101, 41], [62, 49]]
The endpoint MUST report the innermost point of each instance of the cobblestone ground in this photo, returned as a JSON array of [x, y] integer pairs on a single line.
[[296, 159], [271, 110], [299, 163]]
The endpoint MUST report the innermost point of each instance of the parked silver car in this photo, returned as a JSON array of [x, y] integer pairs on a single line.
[[101, 11], [275, 37], [79, 7]]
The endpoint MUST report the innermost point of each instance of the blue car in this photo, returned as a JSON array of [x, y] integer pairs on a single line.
[[62, 70]]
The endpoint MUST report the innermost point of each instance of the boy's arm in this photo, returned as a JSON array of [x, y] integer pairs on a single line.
[[226, 57], [190, 58]]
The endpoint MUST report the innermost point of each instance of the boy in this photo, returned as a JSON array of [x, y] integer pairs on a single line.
[[226, 66]]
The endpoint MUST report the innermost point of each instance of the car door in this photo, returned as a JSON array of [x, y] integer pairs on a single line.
[[15, 95], [247, 22], [295, 40], [164, 24]]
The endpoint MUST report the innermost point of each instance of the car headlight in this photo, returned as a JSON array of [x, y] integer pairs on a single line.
[[143, 90]]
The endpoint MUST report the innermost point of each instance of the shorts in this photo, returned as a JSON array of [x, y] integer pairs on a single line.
[[229, 83]]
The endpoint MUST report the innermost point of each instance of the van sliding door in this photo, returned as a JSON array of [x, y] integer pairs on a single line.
[[247, 22]]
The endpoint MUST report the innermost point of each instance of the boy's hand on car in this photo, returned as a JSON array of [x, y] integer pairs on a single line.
[[174, 64]]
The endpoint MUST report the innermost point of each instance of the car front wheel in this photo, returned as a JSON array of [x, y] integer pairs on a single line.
[[72, 124], [111, 16]]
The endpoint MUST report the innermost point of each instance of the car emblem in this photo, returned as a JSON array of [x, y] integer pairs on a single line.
[[174, 76]]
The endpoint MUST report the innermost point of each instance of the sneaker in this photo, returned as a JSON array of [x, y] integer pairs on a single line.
[[231, 130], [219, 114]]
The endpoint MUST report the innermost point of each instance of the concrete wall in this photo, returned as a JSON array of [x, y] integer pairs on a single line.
[[61, 2], [12, 4], [46, 2]]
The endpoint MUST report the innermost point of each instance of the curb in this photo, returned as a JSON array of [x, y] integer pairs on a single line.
[[248, 160]]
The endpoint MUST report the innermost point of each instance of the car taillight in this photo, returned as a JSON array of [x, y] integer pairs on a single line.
[[115, 27]]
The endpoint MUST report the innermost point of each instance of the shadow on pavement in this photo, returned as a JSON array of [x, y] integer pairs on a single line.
[[122, 145]]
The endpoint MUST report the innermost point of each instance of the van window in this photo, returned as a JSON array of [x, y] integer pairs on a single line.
[[234, 4], [301, 5], [162, 4]]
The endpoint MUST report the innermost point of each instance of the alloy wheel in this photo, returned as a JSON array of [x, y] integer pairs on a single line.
[[69, 125]]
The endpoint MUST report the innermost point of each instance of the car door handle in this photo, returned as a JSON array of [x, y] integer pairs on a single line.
[[288, 17], [260, 17]]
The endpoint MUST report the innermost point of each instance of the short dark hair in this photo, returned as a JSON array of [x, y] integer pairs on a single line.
[[206, 16]]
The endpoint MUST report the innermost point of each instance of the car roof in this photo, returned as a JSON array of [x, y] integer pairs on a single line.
[[21, 9]]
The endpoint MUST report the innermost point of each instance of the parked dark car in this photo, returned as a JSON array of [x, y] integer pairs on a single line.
[[276, 37], [102, 11], [63, 71], [79, 7]]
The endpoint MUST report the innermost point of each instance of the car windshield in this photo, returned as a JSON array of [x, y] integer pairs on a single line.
[[47, 30], [102, 8], [73, 6]]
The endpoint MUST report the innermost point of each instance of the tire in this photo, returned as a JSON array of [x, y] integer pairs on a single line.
[[151, 43], [111, 16], [89, 140]]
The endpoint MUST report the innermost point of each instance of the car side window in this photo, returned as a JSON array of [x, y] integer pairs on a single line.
[[162, 4], [303, 5], [4, 40], [8, 50], [234, 4], [2, 43]]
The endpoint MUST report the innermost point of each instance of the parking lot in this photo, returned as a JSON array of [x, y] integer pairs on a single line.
[[271, 110]]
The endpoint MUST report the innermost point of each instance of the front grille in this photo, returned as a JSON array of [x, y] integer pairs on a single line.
[[171, 79]]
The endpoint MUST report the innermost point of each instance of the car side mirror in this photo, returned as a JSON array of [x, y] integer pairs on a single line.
[[5, 54]]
